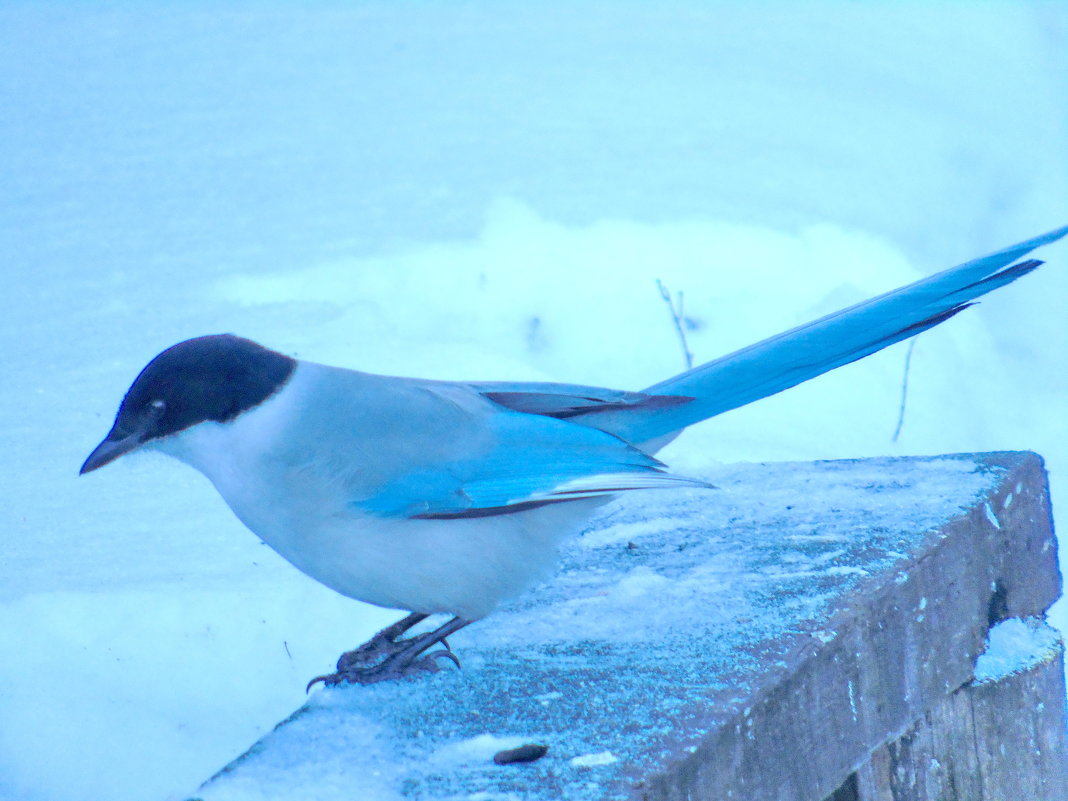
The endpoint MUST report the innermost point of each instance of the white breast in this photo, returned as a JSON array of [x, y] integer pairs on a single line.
[[463, 566]]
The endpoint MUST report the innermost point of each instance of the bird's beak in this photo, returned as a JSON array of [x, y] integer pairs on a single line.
[[113, 446]]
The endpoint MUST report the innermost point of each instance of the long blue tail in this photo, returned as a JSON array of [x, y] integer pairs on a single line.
[[807, 351]]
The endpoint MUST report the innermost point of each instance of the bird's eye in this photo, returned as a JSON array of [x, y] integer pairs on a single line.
[[157, 407]]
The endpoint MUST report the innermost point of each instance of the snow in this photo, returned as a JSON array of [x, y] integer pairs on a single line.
[[593, 760], [467, 191], [1015, 646]]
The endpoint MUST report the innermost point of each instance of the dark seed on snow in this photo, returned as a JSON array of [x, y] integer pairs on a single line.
[[524, 753]]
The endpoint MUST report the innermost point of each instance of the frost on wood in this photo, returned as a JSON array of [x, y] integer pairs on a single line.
[[676, 630]]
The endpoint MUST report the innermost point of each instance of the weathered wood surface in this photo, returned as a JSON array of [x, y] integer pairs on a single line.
[[786, 638], [993, 741]]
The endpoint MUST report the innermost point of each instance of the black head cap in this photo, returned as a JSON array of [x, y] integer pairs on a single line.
[[214, 377]]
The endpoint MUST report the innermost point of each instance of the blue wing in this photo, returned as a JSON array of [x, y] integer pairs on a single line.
[[567, 400], [532, 460]]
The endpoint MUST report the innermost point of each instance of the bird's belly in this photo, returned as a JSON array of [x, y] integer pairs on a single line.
[[464, 566]]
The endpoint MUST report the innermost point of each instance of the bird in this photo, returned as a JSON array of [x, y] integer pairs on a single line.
[[451, 497]]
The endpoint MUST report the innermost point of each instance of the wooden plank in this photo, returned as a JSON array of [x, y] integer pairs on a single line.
[[762, 641]]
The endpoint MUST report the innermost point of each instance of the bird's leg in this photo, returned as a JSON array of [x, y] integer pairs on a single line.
[[381, 645], [414, 657], [402, 657]]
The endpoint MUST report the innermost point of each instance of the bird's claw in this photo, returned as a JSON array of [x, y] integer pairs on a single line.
[[389, 656], [388, 669], [445, 653], [328, 680]]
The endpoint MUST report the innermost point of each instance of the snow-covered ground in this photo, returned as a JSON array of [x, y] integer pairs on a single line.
[[464, 190]]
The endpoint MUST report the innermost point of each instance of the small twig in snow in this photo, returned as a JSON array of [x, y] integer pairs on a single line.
[[676, 316], [904, 391]]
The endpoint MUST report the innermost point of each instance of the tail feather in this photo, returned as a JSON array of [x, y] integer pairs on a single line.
[[787, 359], [1006, 276]]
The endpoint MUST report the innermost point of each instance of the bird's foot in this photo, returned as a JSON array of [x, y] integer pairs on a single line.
[[386, 656], [387, 670]]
